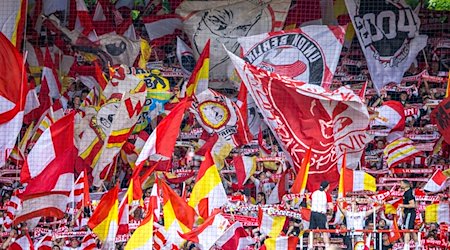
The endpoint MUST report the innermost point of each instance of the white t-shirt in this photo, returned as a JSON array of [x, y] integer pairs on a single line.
[[319, 202], [355, 220]]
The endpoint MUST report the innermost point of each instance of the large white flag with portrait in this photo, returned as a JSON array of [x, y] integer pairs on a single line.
[[388, 32]]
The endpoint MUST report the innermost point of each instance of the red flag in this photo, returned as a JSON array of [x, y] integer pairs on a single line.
[[302, 115], [302, 175], [394, 235], [441, 114], [161, 142]]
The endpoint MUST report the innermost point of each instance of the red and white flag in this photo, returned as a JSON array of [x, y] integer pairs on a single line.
[[50, 77], [278, 191], [45, 243], [235, 238], [185, 57], [12, 206], [161, 143], [49, 172], [245, 166], [304, 115], [88, 242], [81, 20], [13, 92], [80, 191], [24, 242], [399, 151], [309, 54], [437, 182]]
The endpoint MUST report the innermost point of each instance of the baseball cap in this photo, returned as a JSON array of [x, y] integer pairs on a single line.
[[324, 184]]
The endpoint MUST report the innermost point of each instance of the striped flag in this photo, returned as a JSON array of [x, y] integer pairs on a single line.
[[45, 243], [300, 181], [278, 191], [208, 192], [12, 206], [437, 182], [235, 238], [80, 191], [178, 215], [437, 213], [88, 242], [358, 181], [50, 77], [198, 81], [284, 242], [12, 20], [104, 220], [270, 225], [142, 238], [209, 231], [245, 166], [399, 151], [159, 237]]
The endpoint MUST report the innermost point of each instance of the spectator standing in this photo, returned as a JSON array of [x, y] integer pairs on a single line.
[[409, 212], [319, 208]]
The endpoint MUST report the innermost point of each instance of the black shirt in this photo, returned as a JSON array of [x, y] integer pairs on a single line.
[[408, 196]]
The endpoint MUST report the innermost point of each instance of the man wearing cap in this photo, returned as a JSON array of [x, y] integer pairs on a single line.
[[319, 207]]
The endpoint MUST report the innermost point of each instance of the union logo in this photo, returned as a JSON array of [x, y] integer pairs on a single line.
[[214, 114]]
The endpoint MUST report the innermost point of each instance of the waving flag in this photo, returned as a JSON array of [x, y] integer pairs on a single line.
[[278, 191], [13, 92], [88, 242], [12, 20], [178, 215], [270, 225], [12, 207], [49, 172], [158, 26], [386, 64], [198, 81], [437, 213], [80, 191], [245, 167], [284, 242], [45, 243], [235, 238], [437, 182], [103, 221], [305, 115], [358, 181], [399, 151], [300, 181], [142, 238], [208, 232], [23, 242], [50, 77], [309, 54], [208, 192], [185, 57], [161, 142]]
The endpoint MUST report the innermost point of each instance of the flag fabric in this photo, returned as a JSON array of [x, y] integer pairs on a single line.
[[128, 114], [442, 117], [81, 20], [198, 81], [104, 220], [208, 192], [160, 238], [161, 143], [178, 215], [306, 115], [394, 235], [142, 238], [437, 182], [235, 238], [309, 54], [301, 179], [185, 57], [245, 166], [12, 96], [199, 23], [391, 115], [270, 225], [124, 215], [387, 64], [208, 232], [399, 151], [80, 191], [356, 180], [284, 242], [50, 77], [437, 213], [49, 172], [447, 90], [12, 20], [24, 242], [12, 207], [45, 243], [88, 242], [339, 217], [276, 196], [158, 26]]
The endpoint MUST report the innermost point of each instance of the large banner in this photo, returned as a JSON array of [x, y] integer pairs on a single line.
[[388, 32], [305, 115], [309, 54], [223, 22], [441, 116]]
